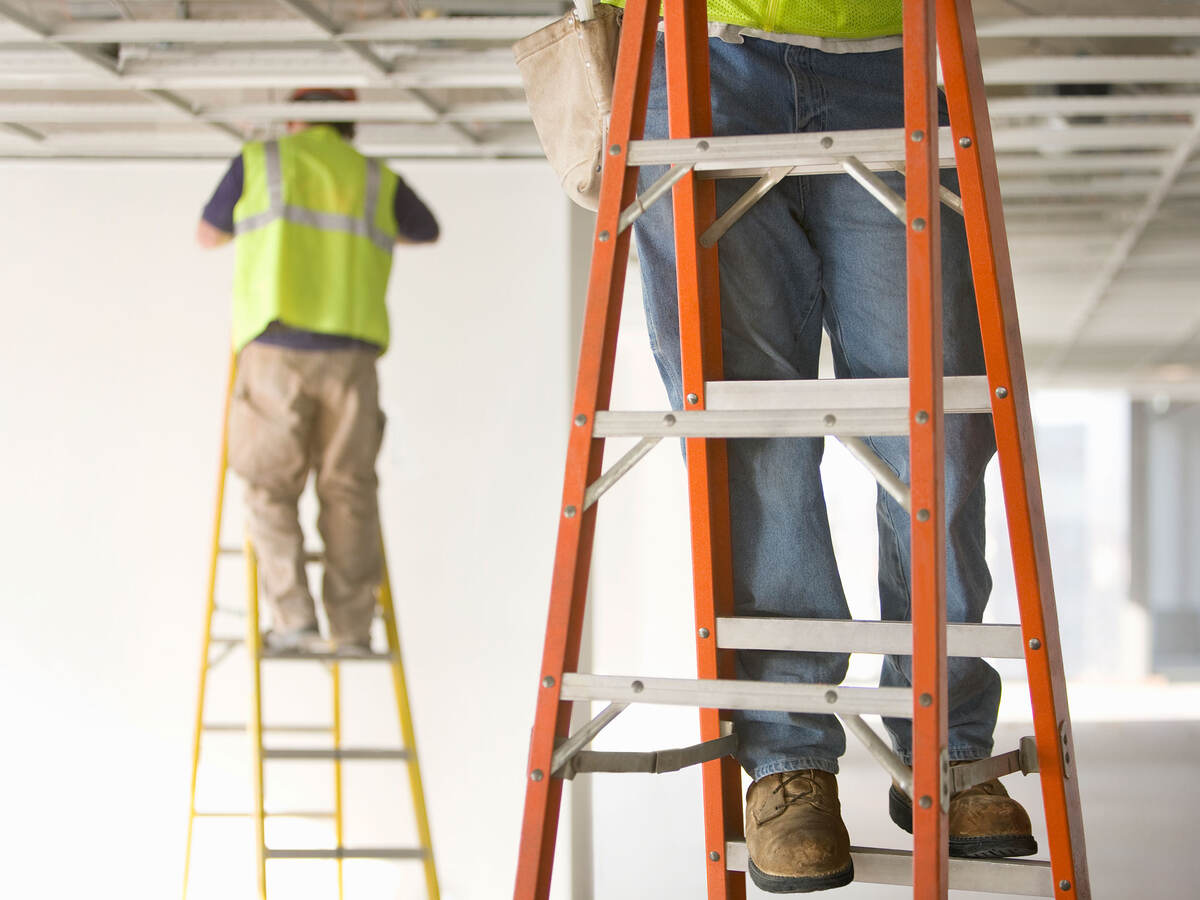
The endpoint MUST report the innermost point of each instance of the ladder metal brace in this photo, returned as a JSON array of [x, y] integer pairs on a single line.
[[654, 762], [1023, 760]]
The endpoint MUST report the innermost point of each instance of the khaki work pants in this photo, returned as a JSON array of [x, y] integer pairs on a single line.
[[299, 410]]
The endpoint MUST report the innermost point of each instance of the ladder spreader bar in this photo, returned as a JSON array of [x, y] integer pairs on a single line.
[[856, 636], [1019, 877], [807, 154], [717, 693]]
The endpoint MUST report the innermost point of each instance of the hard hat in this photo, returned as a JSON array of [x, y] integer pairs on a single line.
[[301, 95]]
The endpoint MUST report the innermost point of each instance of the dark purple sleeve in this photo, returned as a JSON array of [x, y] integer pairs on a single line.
[[414, 221], [218, 212]]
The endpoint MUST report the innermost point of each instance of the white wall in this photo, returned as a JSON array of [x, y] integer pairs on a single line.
[[113, 357]]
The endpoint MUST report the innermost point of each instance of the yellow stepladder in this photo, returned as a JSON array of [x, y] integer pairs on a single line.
[[334, 752]]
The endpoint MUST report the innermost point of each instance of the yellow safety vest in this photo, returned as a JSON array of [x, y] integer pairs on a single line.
[[837, 19], [315, 232]]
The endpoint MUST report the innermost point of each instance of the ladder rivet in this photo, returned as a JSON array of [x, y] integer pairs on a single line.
[[918, 136], [714, 856], [926, 700], [536, 775], [831, 696], [1001, 392], [922, 417], [703, 632], [918, 224], [964, 142], [1064, 885], [614, 149], [637, 687], [830, 419], [926, 802], [1035, 644], [826, 142], [581, 419], [693, 398], [668, 419], [569, 512], [922, 515], [702, 145], [548, 681], [602, 236]]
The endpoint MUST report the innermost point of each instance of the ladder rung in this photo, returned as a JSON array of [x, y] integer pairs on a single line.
[[812, 153], [331, 753], [237, 550], [741, 423], [349, 853], [840, 636], [281, 814], [331, 655], [961, 394], [714, 693], [1020, 877], [275, 729]]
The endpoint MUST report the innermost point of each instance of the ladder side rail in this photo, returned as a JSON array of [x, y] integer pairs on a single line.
[[339, 819], [689, 111], [576, 529], [209, 609], [927, 455], [1013, 424], [254, 722], [407, 732]]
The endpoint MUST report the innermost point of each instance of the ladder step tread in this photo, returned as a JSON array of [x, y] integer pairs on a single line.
[[348, 853], [1020, 877], [332, 753], [809, 154], [715, 693], [335, 655], [240, 727], [238, 550], [280, 814], [961, 394], [857, 636]]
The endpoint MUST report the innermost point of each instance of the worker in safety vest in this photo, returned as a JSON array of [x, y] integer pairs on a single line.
[[315, 223], [818, 253]]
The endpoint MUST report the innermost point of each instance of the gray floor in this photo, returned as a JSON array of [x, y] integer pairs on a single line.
[[1140, 783]]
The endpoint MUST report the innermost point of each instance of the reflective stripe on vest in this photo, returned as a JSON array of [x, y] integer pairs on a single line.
[[325, 221]]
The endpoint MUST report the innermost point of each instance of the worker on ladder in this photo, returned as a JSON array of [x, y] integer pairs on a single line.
[[819, 253], [315, 224]]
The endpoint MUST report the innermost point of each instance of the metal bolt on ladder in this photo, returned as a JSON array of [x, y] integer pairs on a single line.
[[715, 411]]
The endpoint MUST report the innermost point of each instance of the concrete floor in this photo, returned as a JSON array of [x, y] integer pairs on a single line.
[[1140, 784]]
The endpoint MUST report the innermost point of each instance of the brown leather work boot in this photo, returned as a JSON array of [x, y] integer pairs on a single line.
[[985, 822], [795, 835]]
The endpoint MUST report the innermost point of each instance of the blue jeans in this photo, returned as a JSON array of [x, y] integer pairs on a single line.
[[818, 252]]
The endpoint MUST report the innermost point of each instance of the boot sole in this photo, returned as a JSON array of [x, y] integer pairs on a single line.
[[994, 847], [800, 884]]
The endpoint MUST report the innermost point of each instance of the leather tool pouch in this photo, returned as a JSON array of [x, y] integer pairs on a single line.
[[568, 69]]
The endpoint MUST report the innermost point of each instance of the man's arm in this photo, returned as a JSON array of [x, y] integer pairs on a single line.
[[208, 236], [415, 223], [216, 222]]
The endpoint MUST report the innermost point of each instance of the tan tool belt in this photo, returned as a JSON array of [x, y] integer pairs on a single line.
[[568, 69]]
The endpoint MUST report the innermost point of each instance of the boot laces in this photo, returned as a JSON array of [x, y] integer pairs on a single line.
[[790, 793]]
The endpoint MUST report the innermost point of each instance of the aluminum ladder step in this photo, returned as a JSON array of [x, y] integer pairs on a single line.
[[855, 636], [852, 407], [229, 641], [1018, 877], [814, 153], [349, 853], [340, 754], [236, 550], [716, 693]]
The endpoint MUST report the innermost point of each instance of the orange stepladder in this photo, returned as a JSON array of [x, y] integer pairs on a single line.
[[715, 411]]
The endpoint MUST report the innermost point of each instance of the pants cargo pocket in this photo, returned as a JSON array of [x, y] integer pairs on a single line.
[[266, 450]]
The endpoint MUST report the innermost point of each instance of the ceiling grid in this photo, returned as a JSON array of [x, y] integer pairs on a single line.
[[1095, 107]]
